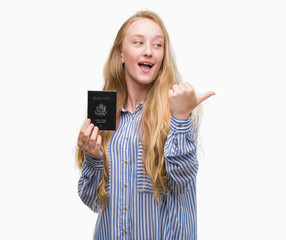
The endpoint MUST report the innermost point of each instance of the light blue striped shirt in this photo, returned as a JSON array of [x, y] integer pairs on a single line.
[[134, 214]]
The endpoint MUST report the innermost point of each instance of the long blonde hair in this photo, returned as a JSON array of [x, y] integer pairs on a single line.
[[155, 121]]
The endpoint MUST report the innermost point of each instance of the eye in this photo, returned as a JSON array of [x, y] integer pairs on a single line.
[[158, 45], [138, 43]]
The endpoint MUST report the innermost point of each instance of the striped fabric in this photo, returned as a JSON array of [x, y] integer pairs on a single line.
[[132, 212]]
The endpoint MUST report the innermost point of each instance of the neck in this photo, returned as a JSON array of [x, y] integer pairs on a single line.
[[136, 94]]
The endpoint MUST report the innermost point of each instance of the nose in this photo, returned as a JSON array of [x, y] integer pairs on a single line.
[[148, 50]]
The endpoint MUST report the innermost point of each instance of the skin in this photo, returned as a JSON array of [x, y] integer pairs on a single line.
[[143, 42], [183, 100]]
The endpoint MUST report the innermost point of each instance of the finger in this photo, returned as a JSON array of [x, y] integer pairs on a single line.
[[98, 148], [186, 88], [86, 134], [205, 96], [99, 140], [84, 126], [171, 92], [94, 132], [93, 137], [189, 86], [174, 85], [176, 88], [182, 86], [81, 132]]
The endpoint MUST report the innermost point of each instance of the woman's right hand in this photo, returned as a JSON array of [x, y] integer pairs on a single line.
[[89, 140]]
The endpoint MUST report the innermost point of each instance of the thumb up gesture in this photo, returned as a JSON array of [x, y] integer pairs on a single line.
[[183, 100]]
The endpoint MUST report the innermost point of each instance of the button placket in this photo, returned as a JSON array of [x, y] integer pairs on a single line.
[[126, 190]]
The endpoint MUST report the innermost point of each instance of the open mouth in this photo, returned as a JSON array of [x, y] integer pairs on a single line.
[[145, 66]]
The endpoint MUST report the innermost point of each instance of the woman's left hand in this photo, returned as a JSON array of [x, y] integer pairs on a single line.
[[183, 100]]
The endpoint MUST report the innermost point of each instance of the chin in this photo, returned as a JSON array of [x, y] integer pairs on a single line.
[[145, 81]]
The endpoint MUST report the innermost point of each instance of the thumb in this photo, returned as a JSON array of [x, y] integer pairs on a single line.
[[205, 96]]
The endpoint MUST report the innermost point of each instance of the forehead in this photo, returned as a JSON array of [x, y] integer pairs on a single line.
[[145, 27]]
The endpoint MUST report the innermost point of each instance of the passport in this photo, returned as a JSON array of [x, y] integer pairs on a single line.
[[101, 109]]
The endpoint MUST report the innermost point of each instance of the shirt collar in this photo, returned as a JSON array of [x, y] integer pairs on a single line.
[[137, 108]]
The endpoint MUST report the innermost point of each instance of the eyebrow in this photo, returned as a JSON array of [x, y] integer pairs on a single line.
[[140, 35]]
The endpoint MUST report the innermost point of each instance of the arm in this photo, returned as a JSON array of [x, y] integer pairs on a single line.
[[90, 177], [180, 148], [89, 141], [180, 155]]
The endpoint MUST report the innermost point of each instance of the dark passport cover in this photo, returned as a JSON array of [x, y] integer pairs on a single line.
[[101, 109]]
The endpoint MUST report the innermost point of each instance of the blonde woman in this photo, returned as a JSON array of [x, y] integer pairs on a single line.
[[141, 178]]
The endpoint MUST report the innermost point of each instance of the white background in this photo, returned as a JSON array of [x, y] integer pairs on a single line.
[[52, 52]]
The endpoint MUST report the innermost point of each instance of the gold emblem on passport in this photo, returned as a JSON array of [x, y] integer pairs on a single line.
[[100, 110]]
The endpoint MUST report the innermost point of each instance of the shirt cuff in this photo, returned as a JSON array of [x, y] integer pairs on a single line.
[[181, 125], [94, 162]]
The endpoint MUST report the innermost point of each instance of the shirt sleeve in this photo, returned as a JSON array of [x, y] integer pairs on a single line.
[[91, 174], [180, 155]]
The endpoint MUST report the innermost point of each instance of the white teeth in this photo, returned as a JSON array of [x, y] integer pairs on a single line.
[[148, 64]]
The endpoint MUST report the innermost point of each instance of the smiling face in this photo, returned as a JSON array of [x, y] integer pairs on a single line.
[[142, 52]]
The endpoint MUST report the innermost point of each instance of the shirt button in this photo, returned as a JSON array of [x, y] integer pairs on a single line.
[[131, 118], [124, 231], [125, 162], [125, 208], [99, 163], [140, 105], [125, 185], [127, 139], [180, 125]]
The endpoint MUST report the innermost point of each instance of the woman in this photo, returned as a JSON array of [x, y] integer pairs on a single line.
[[141, 178]]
